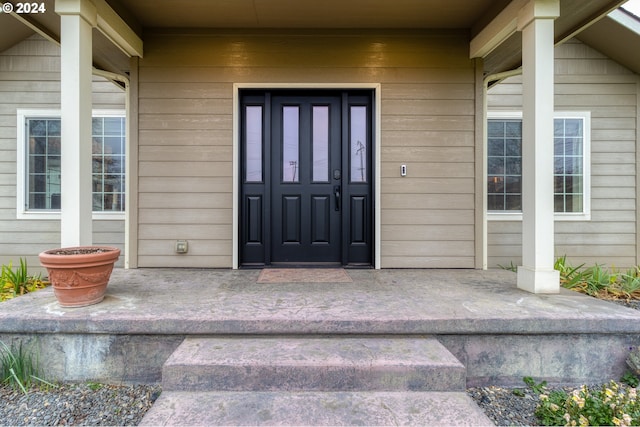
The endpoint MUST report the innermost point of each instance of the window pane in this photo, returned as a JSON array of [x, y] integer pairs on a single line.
[[513, 185], [573, 165], [358, 144], [505, 164], [496, 184], [495, 165], [290, 144], [513, 147], [573, 185], [113, 126], [53, 127], [568, 164], [495, 128], [108, 163], [573, 127], [558, 202], [38, 145], [320, 143], [496, 147], [513, 128], [573, 146], [38, 127], [495, 202], [558, 184], [513, 165], [253, 147], [513, 202], [43, 164], [573, 203], [558, 146], [113, 145]]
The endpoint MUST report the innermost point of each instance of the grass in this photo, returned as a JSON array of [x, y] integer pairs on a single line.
[[18, 282], [19, 368]]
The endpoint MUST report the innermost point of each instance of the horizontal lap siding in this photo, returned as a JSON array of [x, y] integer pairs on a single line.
[[30, 79], [185, 136], [587, 81]]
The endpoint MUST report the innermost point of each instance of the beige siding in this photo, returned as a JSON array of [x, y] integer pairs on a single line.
[[30, 78], [185, 136], [587, 81]]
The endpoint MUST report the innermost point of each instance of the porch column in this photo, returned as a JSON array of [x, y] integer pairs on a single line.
[[536, 21], [77, 18]]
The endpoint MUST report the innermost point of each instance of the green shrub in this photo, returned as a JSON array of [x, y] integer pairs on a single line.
[[596, 281], [18, 282]]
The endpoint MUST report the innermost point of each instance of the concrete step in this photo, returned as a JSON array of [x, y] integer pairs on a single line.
[[315, 409], [313, 364]]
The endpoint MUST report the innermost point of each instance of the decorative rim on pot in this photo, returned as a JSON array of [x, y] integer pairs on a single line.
[[67, 256]]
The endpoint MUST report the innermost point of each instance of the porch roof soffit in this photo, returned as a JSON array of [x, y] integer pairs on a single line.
[[499, 42], [606, 34], [491, 23], [114, 39]]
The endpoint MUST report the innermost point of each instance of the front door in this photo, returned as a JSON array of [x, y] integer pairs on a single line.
[[306, 174]]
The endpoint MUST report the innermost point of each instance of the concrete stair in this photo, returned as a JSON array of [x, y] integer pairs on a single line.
[[336, 380]]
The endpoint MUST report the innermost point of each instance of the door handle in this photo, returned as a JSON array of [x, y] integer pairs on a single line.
[[336, 195]]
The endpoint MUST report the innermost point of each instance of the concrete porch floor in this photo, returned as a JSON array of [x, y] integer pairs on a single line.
[[498, 332]]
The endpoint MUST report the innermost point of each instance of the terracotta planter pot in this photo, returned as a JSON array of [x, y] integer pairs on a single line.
[[79, 275]]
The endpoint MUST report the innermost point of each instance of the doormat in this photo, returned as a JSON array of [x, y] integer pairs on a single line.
[[304, 275]]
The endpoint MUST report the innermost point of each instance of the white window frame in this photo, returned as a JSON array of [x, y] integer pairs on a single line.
[[585, 215], [21, 178]]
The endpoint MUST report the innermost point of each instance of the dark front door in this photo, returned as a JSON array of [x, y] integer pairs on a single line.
[[306, 169]]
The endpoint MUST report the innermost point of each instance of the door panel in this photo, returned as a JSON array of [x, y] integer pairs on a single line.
[[306, 169], [303, 148]]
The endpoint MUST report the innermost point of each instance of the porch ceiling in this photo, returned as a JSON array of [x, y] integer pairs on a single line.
[[352, 14], [142, 15]]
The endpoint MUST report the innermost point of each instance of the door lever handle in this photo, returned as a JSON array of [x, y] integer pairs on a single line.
[[336, 195]]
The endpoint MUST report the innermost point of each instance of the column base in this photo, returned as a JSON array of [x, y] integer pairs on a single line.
[[538, 281]]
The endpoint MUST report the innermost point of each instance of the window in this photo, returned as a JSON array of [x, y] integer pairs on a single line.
[[571, 165], [39, 167]]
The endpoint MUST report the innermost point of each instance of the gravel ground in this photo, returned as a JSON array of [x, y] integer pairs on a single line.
[[77, 404], [504, 407], [101, 405]]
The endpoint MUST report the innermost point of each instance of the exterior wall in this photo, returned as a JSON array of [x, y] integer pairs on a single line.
[[186, 136], [587, 81], [30, 78]]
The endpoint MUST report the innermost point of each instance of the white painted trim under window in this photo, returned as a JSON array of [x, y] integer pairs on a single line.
[[585, 215], [21, 211], [377, 102]]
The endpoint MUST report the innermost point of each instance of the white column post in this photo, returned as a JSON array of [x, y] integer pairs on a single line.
[[77, 18], [536, 21]]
